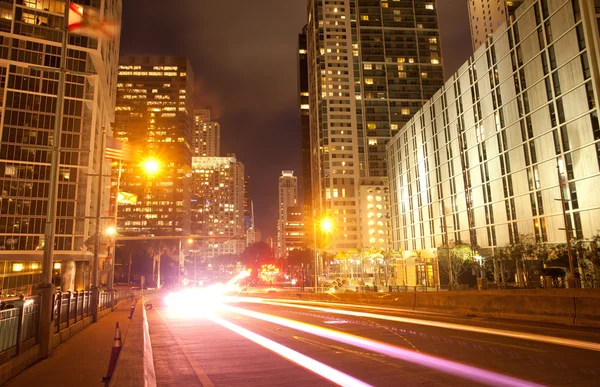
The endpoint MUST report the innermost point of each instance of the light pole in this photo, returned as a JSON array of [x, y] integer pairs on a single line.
[[46, 286], [573, 281]]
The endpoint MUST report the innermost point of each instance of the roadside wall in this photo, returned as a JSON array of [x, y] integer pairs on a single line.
[[575, 307]]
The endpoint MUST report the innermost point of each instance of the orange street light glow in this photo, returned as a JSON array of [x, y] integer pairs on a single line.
[[151, 166], [326, 225]]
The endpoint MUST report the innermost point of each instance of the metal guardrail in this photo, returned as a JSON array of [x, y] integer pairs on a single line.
[[19, 316], [18, 321]]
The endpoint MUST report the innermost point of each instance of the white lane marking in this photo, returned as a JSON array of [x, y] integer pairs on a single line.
[[310, 364], [459, 327]]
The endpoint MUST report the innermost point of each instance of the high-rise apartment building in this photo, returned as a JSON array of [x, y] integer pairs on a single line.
[[202, 115], [218, 204], [306, 176], [288, 197], [486, 159], [154, 116], [206, 141], [372, 65], [30, 42], [486, 16]]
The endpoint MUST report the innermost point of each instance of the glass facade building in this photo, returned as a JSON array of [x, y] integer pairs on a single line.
[[30, 50], [372, 65], [154, 115], [486, 157], [486, 16]]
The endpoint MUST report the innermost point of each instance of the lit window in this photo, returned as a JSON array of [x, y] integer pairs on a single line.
[[435, 61], [369, 81], [372, 141], [368, 66], [429, 6], [364, 17], [371, 125], [405, 112]]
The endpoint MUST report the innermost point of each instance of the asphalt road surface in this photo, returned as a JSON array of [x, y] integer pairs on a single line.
[[204, 342]]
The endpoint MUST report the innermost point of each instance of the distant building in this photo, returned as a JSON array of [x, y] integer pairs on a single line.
[[206, 140], [485, 17], [218, 204], [154, 116], [203, 115], [294, 230], [288, 197]]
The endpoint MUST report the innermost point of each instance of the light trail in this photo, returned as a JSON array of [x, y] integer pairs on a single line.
[[590, 346], [447, 366], [310, 364]]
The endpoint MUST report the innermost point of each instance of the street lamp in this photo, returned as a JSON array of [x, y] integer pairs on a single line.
[[326, 226], [151, 166]]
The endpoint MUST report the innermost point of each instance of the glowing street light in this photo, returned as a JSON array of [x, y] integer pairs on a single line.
[[151, 166], [327, 225], [111, 231]]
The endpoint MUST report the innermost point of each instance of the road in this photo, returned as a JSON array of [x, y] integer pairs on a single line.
[[254, 342]]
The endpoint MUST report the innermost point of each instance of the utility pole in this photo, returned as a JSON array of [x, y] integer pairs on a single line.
[[95, 271], [111, 275], [46, 287], [561, 185]]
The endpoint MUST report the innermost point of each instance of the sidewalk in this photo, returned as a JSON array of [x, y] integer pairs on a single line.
[[80, 361]]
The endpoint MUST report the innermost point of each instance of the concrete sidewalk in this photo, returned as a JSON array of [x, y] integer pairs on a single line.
[[80, 361]]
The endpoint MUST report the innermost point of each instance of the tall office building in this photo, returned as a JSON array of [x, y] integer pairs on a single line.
[[30, 40], [306, 176], [218, 204], [288, 197], [372, 65], [486, 159], [206, 140], [487, 16], [154, 116]]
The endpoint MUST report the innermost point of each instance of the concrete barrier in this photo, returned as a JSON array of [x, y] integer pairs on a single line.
[[587, 312], [135, 366], [580, 307]]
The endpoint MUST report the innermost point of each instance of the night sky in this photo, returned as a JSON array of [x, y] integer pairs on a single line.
[[244, 58]]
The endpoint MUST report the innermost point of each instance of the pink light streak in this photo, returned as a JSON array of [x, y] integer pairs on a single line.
[[310, 364], [447, 366]]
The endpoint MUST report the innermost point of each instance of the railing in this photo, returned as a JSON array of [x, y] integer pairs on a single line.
[[19, 316], [18, 323]]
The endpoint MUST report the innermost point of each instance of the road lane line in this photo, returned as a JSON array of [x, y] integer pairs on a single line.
[[447, 366], [459, 327], [304, 361], [200, 373], [501, 344]]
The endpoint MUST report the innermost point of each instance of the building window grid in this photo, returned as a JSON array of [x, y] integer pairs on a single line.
[[542, 221]]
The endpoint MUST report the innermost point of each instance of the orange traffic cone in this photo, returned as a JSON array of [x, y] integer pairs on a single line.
[[132, 309], [114, 355]]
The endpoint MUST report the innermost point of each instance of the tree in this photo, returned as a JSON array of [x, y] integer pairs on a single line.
[[257, 254], [461, 259]]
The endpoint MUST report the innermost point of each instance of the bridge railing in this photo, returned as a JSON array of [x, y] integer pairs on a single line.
[[18, 323]]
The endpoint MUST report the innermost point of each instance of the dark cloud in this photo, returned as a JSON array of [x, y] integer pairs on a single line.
[[244, 58]]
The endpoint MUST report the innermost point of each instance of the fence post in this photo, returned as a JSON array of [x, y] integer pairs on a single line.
[[69, 309], [20, 327], [76, 304], [58, 299]]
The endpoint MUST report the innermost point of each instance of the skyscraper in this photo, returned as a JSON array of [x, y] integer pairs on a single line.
[[31, 33], [154, 115], [218, 204], [485, 17], [372, 65], [288, 197], [206, 141], [306, 176]]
